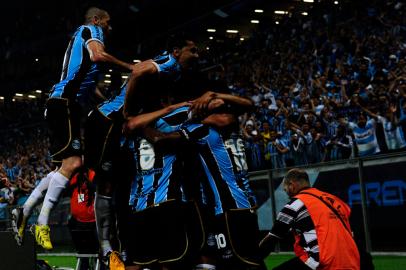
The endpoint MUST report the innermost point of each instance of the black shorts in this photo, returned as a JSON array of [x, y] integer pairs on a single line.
[[235, 236], [170, 232], [102, 140], [64, 121]]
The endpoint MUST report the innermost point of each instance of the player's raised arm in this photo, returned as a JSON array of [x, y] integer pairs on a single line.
[[94, 38], [98, 54], [140, 70]]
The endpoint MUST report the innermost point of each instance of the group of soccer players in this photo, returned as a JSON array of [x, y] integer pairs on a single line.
[[171, 178]]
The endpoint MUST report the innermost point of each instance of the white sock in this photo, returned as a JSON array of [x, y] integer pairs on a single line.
[[57, 184], [205, 266], [104, 215], [36, 195]]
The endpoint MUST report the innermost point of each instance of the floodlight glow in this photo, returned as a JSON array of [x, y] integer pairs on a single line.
[[281, 12]]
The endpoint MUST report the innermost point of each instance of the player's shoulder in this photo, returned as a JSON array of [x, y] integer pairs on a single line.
[[94, 31], [91, 27], [164, 57]]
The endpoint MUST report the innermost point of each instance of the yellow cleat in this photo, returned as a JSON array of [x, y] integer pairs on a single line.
[[42, 236], [115, 262]]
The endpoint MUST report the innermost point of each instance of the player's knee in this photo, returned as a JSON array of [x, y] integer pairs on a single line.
[[105, 185], [71, 164], [105, 190]]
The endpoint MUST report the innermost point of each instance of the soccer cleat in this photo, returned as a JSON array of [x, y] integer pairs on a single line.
[[115, 261], [18, 224], [42, 236]]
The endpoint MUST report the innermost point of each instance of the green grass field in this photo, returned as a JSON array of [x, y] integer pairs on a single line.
[[380, 262]]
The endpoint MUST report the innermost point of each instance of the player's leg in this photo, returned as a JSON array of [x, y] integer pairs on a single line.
[[182, 234], [20, 216], [143, 239], [237, 239], [63, 117], [102, 142], [59, 181]]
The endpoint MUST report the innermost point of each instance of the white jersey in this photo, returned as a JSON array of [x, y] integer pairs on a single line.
[[394, 136], [365, 138]]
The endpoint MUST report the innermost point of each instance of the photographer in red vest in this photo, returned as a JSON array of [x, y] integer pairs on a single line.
[[83, 223], [320, 224]]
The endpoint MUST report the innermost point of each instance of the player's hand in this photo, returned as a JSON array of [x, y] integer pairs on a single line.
[[199, 106], [392, 108], [127, 127], [179, 105], [266, 246], [151, 134]]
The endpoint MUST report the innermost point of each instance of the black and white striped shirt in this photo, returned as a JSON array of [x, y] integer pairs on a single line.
[[295, 216]]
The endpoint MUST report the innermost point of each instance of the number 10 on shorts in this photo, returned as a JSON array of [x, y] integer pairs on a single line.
[[221, 241]]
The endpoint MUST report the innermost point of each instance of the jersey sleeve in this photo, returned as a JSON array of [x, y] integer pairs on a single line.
[[286, 217], [372, 122], [167, 66], [352, 125], [194, 132], [380, 119], [92, 33]]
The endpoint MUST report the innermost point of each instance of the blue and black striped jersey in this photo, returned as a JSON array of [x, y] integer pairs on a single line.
[[224, 162], [79, 73], [115, 104], [166, 65], [158, 172]]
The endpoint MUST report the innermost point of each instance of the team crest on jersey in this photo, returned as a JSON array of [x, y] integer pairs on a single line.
[[76, 144], [147, 155], [106, 166], [211, 240]]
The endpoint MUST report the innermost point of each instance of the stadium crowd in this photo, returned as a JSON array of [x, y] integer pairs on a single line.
[[323, 91], [24, 161]]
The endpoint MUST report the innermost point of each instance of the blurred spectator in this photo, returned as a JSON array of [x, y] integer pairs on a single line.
[[364, 131], [339, 146], [275, 151]]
